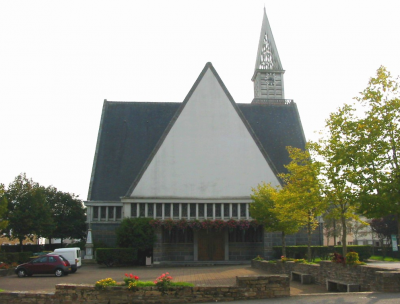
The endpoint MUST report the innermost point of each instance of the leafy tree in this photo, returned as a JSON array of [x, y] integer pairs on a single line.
[[137, 233], [68, 215], [28, 212], [3, 207], [264, 210], [384, 227], [300, 198], [376, 165], [361, 153], [335, 150]]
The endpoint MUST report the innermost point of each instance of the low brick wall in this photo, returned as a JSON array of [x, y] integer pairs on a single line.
[[247, 287], [369, 278]]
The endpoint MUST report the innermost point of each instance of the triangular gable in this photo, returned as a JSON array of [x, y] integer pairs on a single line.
[[208, 149]]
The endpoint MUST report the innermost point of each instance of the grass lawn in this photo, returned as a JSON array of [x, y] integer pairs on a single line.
[[386, 259]]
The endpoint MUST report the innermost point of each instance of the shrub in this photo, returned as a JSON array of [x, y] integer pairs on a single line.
[[117, 256], [258, 258], [323, 252], [8, 266], [131, 281], [338, 258], [163, 282], [364, 252], [352, 258], [15, 257], [300, 261], [102, 284], [136, 233]]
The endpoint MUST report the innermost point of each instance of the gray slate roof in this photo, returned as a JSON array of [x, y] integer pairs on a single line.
[[129, 132]]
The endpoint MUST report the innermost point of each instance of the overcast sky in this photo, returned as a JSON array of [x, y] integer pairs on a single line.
[[59, 60]]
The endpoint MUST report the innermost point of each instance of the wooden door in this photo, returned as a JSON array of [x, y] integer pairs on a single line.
[[211, 245]]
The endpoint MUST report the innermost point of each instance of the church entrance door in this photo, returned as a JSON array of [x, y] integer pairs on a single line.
[[211, 245]]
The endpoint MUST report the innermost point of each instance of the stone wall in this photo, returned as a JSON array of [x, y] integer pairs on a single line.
[[248, 287], [369, 278], [7, 272]]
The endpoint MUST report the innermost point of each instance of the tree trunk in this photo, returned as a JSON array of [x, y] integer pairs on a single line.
[[309, 240], [344, 236], [283, 244], [334, 232], [21, 246]]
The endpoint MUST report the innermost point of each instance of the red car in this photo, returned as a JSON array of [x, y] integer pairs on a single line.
[[47, 264]]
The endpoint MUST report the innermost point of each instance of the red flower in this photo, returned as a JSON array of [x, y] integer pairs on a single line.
[[136, 278]]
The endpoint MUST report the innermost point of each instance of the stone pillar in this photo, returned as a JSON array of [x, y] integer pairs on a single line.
[[89, 246], [157, 248]]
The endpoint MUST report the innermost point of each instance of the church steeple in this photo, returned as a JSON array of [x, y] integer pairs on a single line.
[[268, 72]]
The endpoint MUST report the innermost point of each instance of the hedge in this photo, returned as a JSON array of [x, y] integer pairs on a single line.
[[300, 252], [117, 256], [15, 257], [30, 248]]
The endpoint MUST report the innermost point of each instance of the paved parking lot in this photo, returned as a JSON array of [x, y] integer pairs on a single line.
[[199, 276]]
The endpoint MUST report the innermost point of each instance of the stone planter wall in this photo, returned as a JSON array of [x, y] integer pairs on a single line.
[[7, 272], [248, 287], [369, 278]]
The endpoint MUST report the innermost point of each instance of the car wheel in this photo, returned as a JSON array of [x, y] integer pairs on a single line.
[[21, 273], [59, 273]]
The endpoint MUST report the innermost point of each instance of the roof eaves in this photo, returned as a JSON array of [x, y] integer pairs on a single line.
[[105, 106]]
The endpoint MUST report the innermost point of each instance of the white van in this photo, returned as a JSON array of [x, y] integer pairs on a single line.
[[73, 255]]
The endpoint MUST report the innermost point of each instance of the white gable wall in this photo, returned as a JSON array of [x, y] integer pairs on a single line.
[[208, 153]]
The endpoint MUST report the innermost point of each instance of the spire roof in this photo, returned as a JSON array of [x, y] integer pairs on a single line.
[[267, 54]]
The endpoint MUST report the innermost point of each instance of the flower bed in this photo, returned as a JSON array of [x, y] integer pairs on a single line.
[[248, 287]]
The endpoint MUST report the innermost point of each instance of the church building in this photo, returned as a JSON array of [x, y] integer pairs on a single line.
[[190, 166]]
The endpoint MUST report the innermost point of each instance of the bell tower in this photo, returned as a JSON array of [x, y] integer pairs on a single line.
[[268, 72]]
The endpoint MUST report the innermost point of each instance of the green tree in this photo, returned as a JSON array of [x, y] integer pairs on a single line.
[[300, 198], [334, 150], [28, 212], [137, 233], [384, 228], [376, 165], [264, 210], [68, 215], [3, 207], [360, 151]]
